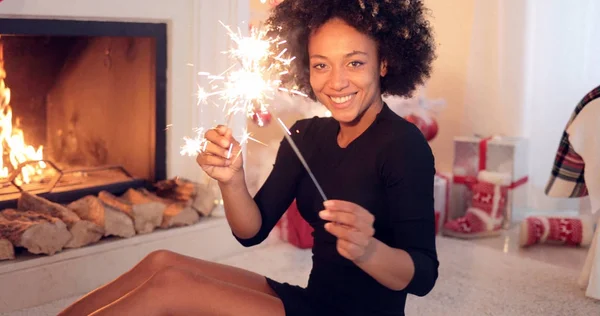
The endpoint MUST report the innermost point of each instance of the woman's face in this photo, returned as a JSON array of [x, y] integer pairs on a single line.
[[344, 70]]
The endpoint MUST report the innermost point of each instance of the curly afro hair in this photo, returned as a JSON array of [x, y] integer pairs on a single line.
[[399, 27]]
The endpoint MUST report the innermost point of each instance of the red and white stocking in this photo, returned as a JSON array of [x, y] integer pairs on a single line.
[[570, 231], [485, 215]]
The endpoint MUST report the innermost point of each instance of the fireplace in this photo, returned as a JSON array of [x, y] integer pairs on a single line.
[[82, 107], [82, 136]]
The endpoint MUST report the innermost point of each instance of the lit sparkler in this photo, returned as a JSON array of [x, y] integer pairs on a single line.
[[248, 87]]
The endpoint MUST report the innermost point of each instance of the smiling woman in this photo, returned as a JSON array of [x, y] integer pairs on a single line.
[[344, 74], [374, 242]]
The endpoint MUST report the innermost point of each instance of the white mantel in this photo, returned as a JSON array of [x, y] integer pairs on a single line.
[[195, 42]]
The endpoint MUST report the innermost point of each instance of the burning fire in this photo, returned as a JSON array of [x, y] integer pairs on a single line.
[[12, 140]]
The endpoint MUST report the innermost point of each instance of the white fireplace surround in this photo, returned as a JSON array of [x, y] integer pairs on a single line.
[[196, 41]]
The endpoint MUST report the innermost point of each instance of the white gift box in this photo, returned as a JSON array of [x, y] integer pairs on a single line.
[[499, 154]]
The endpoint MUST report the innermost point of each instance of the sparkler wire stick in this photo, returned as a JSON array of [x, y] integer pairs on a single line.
[[286, 133]]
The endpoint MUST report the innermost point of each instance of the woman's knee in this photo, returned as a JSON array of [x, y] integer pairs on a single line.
[[159, 259], [173, 278], [168, 277]]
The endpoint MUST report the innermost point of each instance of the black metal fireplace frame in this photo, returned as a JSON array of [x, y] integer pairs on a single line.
[[61, 27]]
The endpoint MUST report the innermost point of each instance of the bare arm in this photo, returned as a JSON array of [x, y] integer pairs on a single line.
[[252, 218], [241, 211], [222, 160]]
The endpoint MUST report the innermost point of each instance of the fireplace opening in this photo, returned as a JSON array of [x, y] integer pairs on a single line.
[[82, 107], [82, 137]]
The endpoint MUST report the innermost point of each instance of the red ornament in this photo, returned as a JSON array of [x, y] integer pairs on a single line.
[[275, 3], [429, 127], [261, 118]]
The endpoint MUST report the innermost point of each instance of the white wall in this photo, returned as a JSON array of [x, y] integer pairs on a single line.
[[530, 63], [452, 22], [562, 65], [495, 76], [194, 37]]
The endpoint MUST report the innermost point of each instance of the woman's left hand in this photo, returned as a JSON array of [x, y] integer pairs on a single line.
[[352, 225]]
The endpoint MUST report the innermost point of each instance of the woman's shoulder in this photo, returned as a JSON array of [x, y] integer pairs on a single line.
[[310, 127], [399, 140], [395, 131]]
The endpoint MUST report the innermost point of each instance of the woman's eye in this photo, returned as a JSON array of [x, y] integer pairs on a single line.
[[355, 64], [319, 66]]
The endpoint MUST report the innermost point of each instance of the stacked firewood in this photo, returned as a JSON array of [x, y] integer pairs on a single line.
[[44, 227]]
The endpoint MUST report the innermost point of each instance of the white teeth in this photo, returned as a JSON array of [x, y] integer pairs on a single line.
[[341, 99]]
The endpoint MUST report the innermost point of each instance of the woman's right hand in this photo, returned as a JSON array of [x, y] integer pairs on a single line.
[[221, 158]]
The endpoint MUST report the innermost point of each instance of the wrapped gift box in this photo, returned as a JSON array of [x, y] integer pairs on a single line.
[[294, 229], [500, 154], [441, 194]]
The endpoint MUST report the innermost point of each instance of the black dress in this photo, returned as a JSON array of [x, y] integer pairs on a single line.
[[388, 170]]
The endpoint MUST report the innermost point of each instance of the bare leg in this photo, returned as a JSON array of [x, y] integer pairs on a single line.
[[158, 261], [174, 291]]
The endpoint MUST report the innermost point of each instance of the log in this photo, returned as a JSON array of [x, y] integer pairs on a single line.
[[89, 208], [38, 233], [30, 202], [108, 199], [178, 189], [7, 250], [84, 232], [179, 214], [175, 214], [200, 197], [146, 217], [204, 201], [115, 223]]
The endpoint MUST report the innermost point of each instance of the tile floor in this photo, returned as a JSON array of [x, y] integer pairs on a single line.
[[567, 257], [294, 263]]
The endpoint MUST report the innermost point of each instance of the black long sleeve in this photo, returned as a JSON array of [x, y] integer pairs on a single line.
[[408, 171]]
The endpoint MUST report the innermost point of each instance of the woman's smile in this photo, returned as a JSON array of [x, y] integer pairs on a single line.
[[342, 101]]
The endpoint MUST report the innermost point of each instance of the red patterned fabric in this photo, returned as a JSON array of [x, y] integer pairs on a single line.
[[536, 230], [483, 197], [483, 201], [470, 223], [566, 179], [568, 231]]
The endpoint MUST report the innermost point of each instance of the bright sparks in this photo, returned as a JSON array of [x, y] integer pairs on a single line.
[[248, 86], [194, 145]]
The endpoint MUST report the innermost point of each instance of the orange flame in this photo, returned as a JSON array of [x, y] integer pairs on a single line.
[[12, 139]]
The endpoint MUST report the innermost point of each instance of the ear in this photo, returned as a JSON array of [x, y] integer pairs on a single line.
[[383, 68]]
